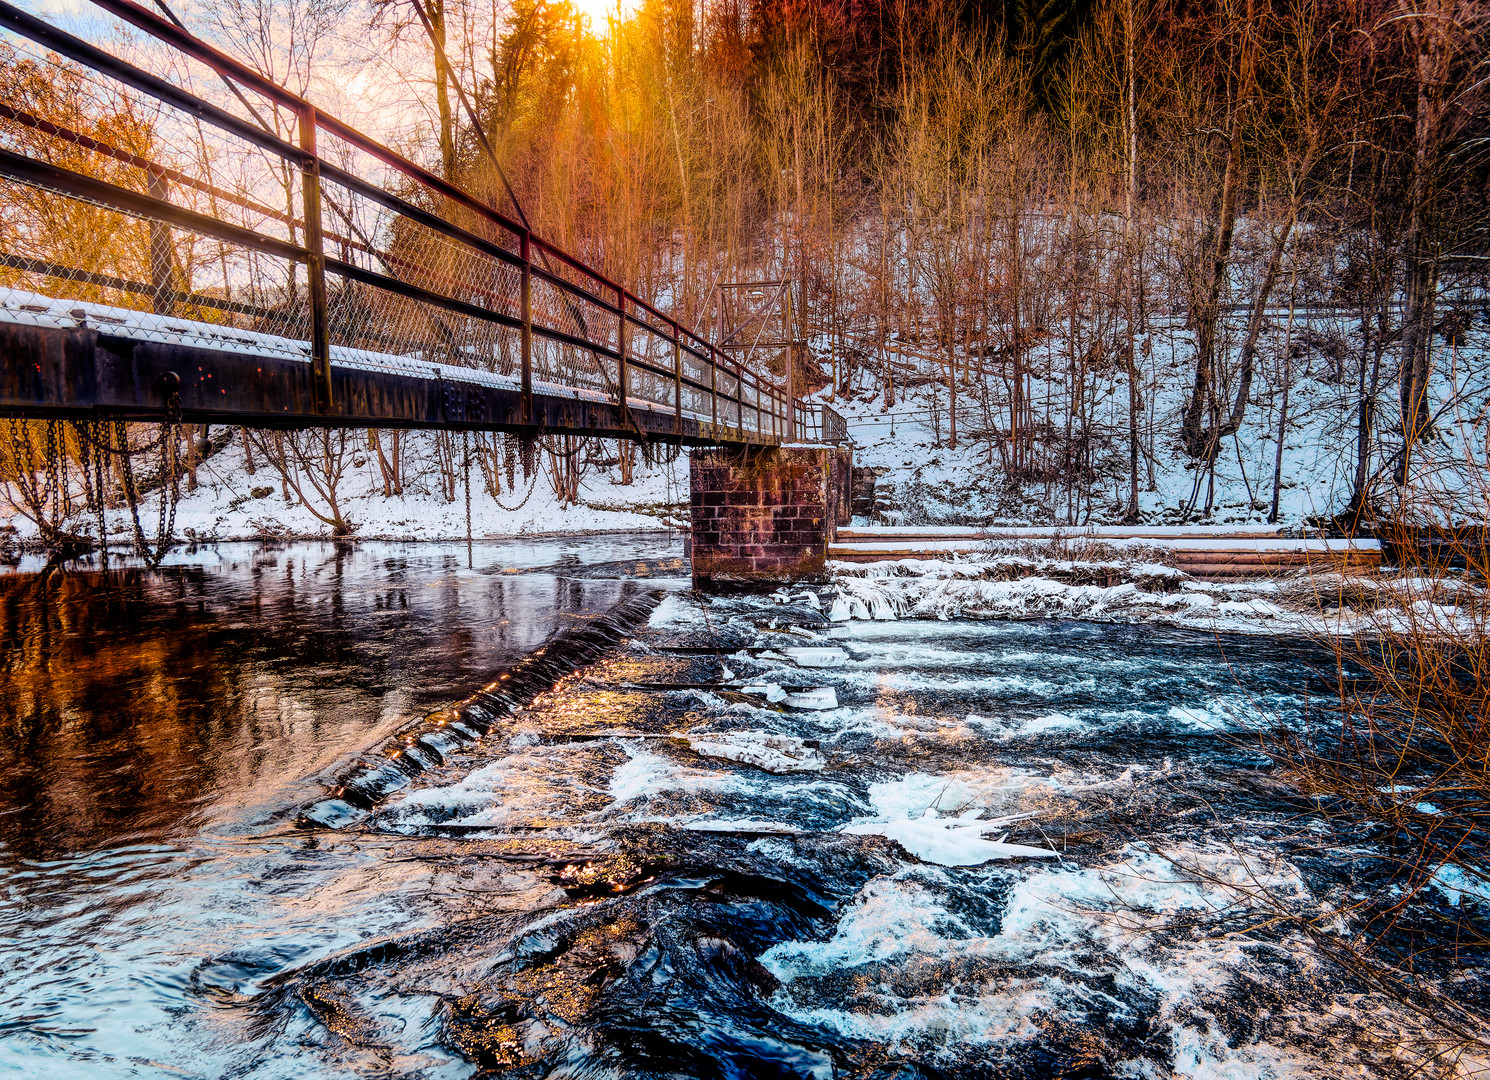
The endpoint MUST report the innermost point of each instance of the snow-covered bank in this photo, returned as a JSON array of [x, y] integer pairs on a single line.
[[1016, 587], [1012, 587], [231, 503], [927, 479]]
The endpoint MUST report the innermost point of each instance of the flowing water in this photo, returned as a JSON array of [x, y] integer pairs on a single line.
[[650, 870]]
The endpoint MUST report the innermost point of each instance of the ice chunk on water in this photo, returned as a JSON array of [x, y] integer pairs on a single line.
[[816, 657], [773, 753], [773, 691], [816, 697], [943, 842]]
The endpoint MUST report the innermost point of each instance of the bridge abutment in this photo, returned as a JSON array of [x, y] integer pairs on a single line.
[[765, 515]]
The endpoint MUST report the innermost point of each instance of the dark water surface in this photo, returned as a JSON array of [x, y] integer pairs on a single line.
[[612, 883], [221, 687]]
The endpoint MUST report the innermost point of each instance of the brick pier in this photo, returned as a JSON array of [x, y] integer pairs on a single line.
[[765, 516]]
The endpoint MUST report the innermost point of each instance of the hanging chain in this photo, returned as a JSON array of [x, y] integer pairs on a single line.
[[20, 446], [92, 461], [170, 488], [46, 498], [465, 445], [101, 443], [100, 470], [532, 487], [131, 493], [56, 476]]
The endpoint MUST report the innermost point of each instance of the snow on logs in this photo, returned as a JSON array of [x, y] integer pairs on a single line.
[[1202, 551]]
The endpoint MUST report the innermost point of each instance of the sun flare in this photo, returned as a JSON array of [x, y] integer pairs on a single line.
[[599, 11]]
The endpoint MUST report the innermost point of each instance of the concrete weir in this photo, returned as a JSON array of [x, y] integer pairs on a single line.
[[765, 515]]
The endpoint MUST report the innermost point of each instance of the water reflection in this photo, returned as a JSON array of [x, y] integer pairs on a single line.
[[139, 704]]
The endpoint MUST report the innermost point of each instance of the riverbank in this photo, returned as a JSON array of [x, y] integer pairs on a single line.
[[230, 504]]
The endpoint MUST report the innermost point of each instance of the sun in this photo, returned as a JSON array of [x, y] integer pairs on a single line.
[[599, 11]]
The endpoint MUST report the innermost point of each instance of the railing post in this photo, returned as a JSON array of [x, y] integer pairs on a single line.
[[678, 381], [714, 388], [162, 298], [527, 317], [621, 385], [315, 262], [739, 374], [791, 376]]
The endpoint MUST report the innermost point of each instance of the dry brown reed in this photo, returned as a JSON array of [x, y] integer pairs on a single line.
[[1398, 763]]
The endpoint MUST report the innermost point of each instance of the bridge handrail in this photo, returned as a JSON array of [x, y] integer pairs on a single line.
[[754, 391], [819, 422], [227, 66]]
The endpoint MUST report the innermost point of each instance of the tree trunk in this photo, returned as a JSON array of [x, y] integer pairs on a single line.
[[442, 89], [1421, 269], [1255, 318], [1130, 258], [1283, 409], [1202, 407]]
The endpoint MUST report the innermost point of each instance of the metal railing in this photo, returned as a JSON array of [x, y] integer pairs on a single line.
[[819, 423], [268, 223]]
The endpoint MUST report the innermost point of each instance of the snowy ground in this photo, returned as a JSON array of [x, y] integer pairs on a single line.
[[924, 479], [224, 507], [931, 483]]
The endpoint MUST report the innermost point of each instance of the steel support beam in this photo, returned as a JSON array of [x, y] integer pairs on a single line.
[[83, 372]]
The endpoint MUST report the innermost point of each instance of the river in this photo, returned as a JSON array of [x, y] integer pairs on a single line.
[[611, 883]]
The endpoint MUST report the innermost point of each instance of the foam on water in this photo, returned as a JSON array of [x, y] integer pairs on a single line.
[[646, 775], [532, 784], [1069, 939]]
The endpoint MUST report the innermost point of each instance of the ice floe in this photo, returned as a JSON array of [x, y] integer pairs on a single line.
[[773, 753], [816, 657], [817, 698], [948, 843]]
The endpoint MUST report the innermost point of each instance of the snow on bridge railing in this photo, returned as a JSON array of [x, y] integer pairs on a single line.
[[271, 218]]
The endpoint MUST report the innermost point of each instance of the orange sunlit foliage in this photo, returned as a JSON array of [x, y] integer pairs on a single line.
[[52, 112]]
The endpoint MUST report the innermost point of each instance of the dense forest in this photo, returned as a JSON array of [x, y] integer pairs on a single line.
[[1088, 243], [1014, 204]]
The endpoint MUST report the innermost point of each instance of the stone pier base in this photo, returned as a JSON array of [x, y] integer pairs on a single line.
[[765, 516]]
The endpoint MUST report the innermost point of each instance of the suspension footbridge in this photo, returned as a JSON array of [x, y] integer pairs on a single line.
[[257, 261]]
